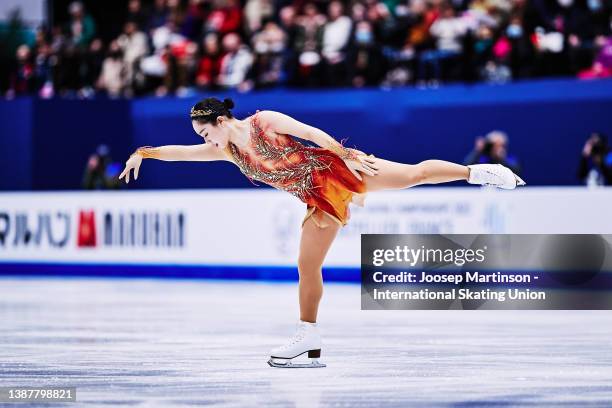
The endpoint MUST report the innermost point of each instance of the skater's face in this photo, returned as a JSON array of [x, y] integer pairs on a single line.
[[216, 135]]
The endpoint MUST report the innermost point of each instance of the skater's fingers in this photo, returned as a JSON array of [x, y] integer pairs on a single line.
[[136, 172], [365, 169], [368, 166], [355, 173], [372, 169], [368, 171], [124, 172], [127, 177], [371, 164]]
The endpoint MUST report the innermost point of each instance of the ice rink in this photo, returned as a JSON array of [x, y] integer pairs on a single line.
[[177, 343]]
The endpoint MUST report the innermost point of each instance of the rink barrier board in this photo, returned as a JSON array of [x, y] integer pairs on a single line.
[[82, 233]]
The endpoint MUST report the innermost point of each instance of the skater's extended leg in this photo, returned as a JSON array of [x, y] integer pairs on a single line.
[[314, 244], [393, 175]]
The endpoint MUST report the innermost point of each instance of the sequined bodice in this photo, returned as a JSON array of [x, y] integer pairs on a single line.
[[279, 160]]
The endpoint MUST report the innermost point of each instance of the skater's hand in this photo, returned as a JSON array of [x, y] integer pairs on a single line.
[[363, 163], [132, 163]]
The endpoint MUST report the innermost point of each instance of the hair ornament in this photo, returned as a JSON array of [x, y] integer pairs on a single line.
[[199, 112]]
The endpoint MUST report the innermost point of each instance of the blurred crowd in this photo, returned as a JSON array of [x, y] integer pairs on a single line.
[[181, 46]]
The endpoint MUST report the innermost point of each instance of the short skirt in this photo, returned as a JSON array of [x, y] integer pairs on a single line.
[[337, 187]]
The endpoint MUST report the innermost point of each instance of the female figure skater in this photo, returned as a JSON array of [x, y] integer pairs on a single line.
[[325, 178]]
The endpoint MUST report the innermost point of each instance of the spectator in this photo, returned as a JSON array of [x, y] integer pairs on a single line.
[[308, 46], [358, 12], [159, 16], [602, 66], [493, 148], [236, 62], [255, 13], [288, 23], [101, 173], [389, 29], [521, 48], [225, 18], [163, 68], [137, 14], [24, 79], [268, 45], [595, 167], [365, 61], [209, 65], [423, 16], [92, 67], [195, 16], [112, 75], [448, 30], [177, 14], [336, 35], [43, 63], [82, 27], [134, 46], [184, 67]]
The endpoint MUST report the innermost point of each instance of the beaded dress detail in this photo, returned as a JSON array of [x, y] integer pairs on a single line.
[[316, 176]]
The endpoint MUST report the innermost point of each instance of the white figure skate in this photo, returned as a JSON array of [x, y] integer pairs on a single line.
[[494, 175], [306, 340]]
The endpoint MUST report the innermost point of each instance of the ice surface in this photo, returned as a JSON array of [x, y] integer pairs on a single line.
[[177, 343]]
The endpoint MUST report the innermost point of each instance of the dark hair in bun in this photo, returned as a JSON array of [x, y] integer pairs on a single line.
[[228, 103], [209, 109]]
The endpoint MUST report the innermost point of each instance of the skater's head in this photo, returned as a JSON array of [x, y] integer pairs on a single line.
[[209, 119]]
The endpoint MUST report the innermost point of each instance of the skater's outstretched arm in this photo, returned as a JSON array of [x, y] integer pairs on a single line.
[[355, 160], [200, 152]]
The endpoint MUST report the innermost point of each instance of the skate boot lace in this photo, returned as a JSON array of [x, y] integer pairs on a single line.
[[495, 172], [299, 336]]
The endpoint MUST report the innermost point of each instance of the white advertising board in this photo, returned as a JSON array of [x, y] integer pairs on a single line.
[[262, 227]]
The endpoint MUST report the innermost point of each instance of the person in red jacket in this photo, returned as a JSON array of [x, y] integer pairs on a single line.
[[225, 19], [209, 65]]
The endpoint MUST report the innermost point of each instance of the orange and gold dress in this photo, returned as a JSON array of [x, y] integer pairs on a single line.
[[317, 176]]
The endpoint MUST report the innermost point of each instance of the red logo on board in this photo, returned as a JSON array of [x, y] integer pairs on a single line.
[[87, 229]]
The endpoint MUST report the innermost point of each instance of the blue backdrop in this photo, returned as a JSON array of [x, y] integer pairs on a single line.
[[44, 144]]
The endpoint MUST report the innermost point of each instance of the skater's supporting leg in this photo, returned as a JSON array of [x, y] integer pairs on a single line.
[[314, 244], [393, 175]]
